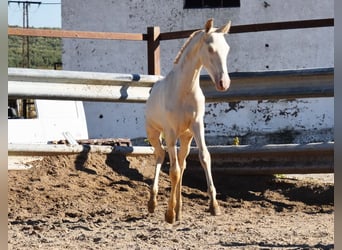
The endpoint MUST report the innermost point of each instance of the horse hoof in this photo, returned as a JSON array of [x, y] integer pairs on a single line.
[[215, 210], [151, 206], [179, 216], [170, 217]]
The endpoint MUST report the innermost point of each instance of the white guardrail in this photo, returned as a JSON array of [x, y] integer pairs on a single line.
[[111, 87]]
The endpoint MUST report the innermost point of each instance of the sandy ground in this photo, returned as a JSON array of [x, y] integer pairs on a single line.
[[99, 202]]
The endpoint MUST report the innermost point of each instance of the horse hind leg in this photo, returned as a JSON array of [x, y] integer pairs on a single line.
[[154, 137], [174, 172]]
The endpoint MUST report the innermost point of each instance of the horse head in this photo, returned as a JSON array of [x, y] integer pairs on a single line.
[[214, 52]]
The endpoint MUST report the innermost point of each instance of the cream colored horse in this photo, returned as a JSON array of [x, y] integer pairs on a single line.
[[175, 108]]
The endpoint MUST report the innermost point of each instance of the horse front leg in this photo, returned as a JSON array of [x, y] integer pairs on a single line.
[[205, 159], [184, 149]]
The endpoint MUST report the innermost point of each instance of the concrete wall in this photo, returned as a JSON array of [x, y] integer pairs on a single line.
[[255, 121]]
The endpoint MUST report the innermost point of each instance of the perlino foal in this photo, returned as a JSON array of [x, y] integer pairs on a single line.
[[175, 109]]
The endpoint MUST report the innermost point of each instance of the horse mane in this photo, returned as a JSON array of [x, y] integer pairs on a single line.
[[180, 53]]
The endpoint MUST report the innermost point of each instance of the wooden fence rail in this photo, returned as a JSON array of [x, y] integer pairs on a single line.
[[153, 35]]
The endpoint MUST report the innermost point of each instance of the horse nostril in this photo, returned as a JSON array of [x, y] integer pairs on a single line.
[[221, 83]]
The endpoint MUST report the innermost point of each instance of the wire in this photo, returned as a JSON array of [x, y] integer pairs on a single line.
[[18, 2]]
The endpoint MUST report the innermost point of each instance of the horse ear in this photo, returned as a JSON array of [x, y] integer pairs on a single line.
[[209, 25], [225, 28]]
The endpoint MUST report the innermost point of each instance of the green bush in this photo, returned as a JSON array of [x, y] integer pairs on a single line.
[[44, 52]]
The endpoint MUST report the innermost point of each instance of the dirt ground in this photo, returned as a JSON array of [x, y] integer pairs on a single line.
[[100, 202]]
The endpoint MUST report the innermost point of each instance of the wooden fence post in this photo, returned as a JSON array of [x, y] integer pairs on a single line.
[[153, 50]]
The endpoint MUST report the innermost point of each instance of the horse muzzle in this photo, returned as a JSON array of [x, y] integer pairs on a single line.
[[222, 84]]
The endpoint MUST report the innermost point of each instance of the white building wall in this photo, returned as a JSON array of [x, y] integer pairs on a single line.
[[306, 119]]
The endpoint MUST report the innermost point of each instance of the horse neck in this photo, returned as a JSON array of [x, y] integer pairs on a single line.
[[189, 66]]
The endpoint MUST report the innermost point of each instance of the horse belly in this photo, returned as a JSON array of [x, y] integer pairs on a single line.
[[155, 111], [164, 119]]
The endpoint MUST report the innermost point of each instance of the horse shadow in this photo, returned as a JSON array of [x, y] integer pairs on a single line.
[[253, 188], [116, 161], [120, 164], [237, 187], [81, 159], [272, 245]]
